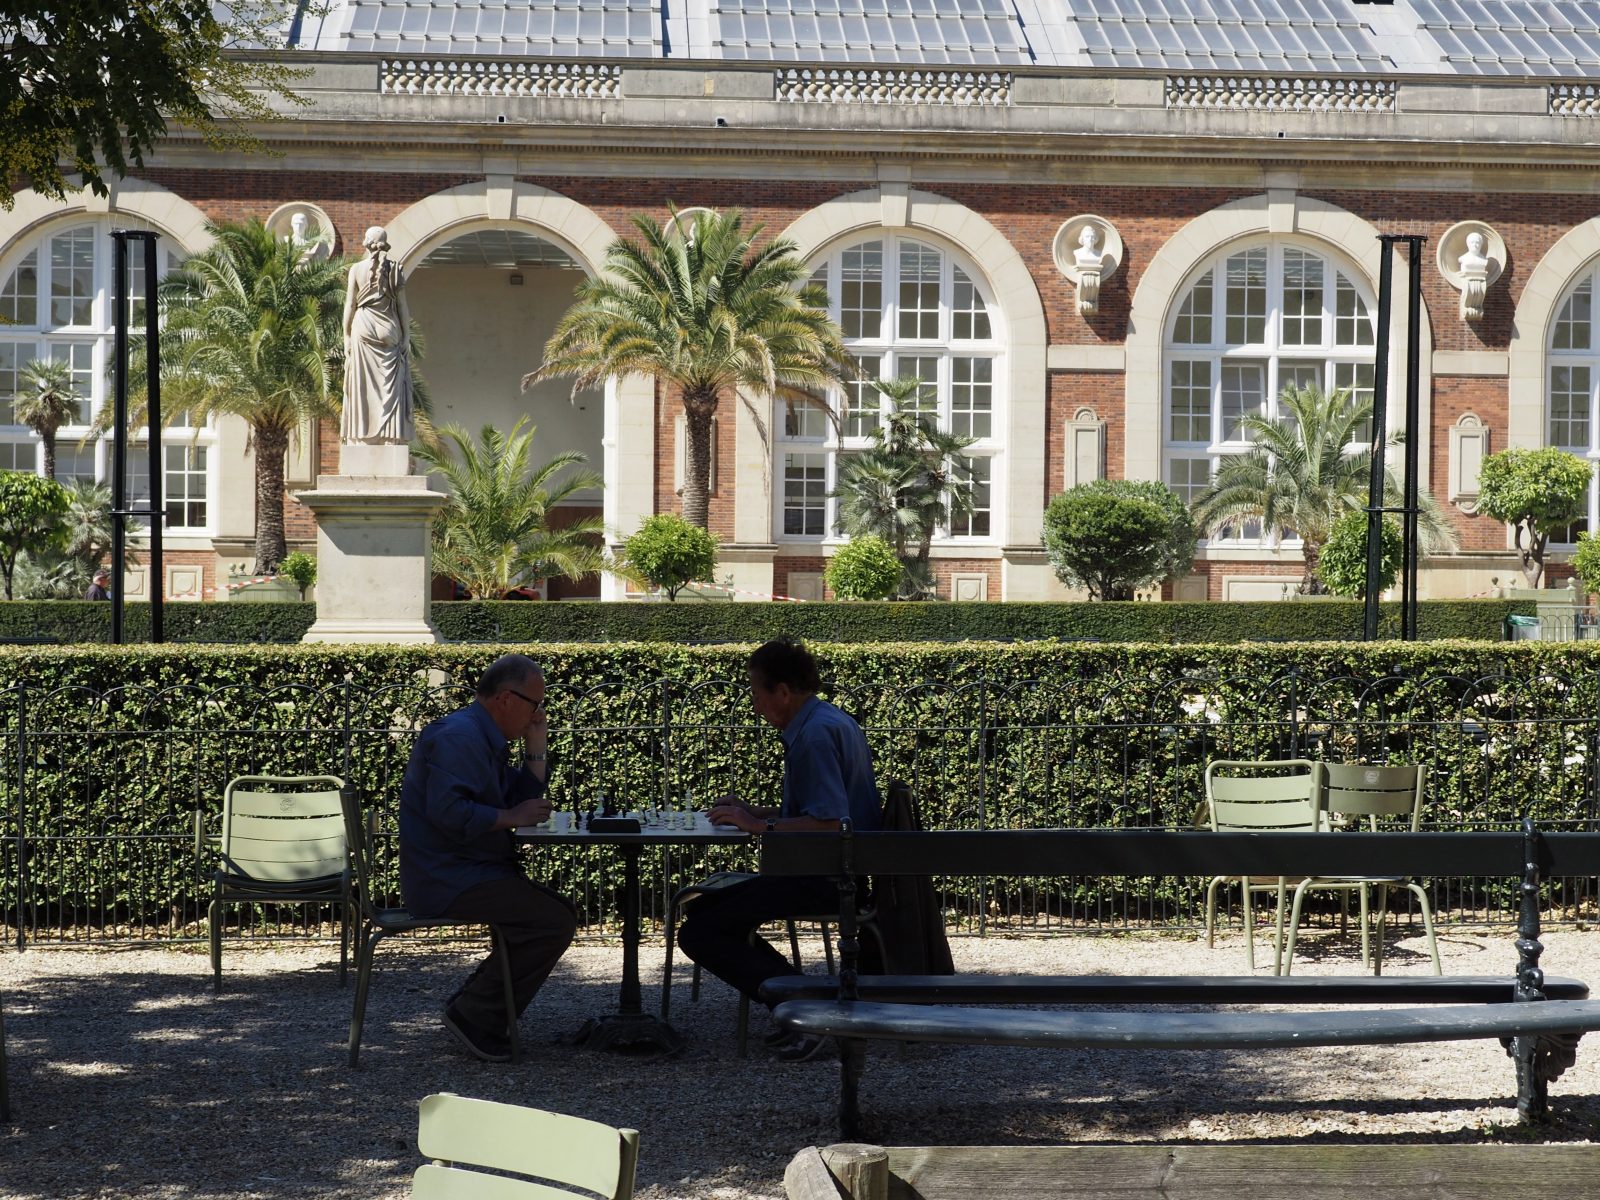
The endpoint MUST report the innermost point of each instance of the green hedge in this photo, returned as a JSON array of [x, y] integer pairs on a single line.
[[716, 624], [124, 745]]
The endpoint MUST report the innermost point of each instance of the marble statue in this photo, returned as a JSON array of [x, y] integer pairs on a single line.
[[1474, 267], [377, 367], [1088, 258]]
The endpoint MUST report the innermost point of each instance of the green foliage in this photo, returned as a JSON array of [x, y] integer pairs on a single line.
[[907, 485], [301, 568], [45, 401], [495, 533], [61, 104], [708, 310], [1343, 565], [30, 511], [1298, 476], [1586, 562], [1113, 536], [864, 568], [1537, 493], [669, 552]]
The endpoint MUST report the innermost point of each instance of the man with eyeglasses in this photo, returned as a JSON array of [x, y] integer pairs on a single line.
[[462, 795]]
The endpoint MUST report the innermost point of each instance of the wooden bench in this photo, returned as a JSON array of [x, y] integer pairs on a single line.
[[1540, 1020]]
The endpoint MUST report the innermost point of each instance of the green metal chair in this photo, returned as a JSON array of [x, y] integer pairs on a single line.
[[1375, 796], [579, 1157], [378, 923], [1282, 795], [282, 842]]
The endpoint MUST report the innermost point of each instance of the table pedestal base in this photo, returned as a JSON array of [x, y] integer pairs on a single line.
[[629, 1033]]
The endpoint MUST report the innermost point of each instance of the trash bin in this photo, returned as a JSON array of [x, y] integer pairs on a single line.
[[1522, 629]]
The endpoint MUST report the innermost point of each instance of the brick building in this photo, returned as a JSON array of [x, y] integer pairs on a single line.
[[955, 173]]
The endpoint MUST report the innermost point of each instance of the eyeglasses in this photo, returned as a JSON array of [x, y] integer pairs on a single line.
[[536, 705]]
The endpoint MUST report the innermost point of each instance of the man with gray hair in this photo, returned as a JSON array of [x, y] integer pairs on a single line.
[[462, 795]]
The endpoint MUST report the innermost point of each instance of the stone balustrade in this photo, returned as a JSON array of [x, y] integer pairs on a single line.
[[1280, 94], [850, 85], [510, 77]]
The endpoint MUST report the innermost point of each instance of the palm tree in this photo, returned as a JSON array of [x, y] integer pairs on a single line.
[[87, 526], [252, 331], [906, 486], [1300, 477], [45, 401], [709, 314], [495, 532]]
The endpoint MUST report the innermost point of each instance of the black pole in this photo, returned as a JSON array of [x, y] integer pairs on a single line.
[[1413, 508], [152, 382], [119, 436], [1380, 402]]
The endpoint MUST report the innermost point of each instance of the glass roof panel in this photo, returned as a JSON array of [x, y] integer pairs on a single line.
[[558, 28], [505, 248], [975, 32], [1531, 37]]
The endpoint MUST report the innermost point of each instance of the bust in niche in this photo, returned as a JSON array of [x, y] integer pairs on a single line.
[[1088, 258], [304, 238], [1474, 267]]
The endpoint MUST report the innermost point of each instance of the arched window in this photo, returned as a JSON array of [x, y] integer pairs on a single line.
[[1572, 375], [56, 298], [1249, 323], [908, 309]]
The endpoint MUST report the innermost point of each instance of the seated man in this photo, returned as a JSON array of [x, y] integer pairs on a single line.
[[459, 801], [827, 776]]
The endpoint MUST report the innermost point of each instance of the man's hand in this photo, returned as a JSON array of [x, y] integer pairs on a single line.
[[729, 811], [529, 812]]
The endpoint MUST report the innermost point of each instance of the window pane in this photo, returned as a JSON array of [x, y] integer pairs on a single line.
[[1191, 402], [74, 465], [861, 291], [1569, 407], [1356, 378], [1247, 298], [919, 291], [926, 368], [72, 277], [1302, 298], [1193, 327], [1244, 393], [80, 357], [12, 357], [969, 318], [978, 486], [1573, 325], [971, 397], [1352, 324], [863, 402], [185, 485], [801, 420], [1189, 477], [19, 302], [805, 494], [18, 456]]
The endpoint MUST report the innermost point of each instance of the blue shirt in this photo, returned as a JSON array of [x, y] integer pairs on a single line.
[[827, 768], [457, 783]]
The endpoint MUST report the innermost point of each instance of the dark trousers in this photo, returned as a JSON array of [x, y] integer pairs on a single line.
[[537, 925], [716, 933]]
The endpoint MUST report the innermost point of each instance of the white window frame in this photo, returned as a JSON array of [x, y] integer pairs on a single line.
[[1583, 358], [890, 350]]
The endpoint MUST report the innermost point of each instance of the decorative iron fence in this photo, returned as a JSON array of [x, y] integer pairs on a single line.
[[100, 792]]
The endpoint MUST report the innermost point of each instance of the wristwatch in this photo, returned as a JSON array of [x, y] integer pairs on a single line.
[[533, 758], [772, 825]]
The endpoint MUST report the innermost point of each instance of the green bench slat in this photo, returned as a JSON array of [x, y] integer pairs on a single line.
[[1169, 989], [1184, 1030]]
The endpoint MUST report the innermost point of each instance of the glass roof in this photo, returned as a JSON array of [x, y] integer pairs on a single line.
[[498, 248], [1530, 37], [561, 28], [968, 32]]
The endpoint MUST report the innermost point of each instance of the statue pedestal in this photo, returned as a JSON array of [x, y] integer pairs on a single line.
[[374, 559]]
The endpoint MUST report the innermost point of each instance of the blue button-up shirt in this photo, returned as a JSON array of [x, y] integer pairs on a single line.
[[827, 768], [456, 785]]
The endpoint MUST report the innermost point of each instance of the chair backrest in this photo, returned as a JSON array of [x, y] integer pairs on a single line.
[[356, 838], [1283, 794], [563, 1153], [283, 829], [1373, 792]]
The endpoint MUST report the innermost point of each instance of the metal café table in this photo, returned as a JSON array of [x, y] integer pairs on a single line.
[[630, 1028]]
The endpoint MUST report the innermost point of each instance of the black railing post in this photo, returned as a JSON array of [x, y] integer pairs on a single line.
[[152, 386], [1411, 516], [1380, 404], [22, 815], [119, 440]]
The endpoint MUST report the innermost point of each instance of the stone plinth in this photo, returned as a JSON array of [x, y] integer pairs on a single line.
[[374, 560]]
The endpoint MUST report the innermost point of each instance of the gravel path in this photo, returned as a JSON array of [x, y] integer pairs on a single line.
[[131, 1079]]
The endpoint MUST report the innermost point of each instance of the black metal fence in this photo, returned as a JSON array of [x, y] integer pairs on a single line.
[[101, 792]]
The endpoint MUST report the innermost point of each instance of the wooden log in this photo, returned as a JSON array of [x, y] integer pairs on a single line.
[[807, 1178], [1237, 1172], [862, 1171]]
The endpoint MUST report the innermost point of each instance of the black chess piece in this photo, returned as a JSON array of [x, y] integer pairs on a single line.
[[609, 808]]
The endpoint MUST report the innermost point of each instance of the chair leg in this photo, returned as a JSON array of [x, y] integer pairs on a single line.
[[358, 1014], [827, 946], [666, 970], [1294, 925], [1427, 923], [213, 920], [1249, 926], [512, 1034], [1211, 911], [5, 1088], [1373, 959], [1277, 944], [346, 923], [794, 944]]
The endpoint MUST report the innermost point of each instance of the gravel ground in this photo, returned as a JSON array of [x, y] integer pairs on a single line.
[[129, 1078]]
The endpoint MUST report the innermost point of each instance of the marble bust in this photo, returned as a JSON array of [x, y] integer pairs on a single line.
[[1474, 267], [1088, 256]]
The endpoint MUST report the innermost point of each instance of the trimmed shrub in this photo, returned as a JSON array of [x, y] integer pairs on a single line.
[[864, 568]]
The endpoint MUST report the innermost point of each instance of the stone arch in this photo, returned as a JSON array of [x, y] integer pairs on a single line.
[[494, 204], [1530, 328], [1015, 294], [1270, 214], [166, 210]]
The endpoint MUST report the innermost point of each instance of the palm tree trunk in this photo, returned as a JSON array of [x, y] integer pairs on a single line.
[[48, 442], [272, 443], [697, 413], [1310, 581]]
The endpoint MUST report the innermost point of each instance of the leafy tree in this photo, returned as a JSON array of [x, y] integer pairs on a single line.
[[169, 61], [903, 488], [1343, 565], [1586, 562], [301, 570], [1113, 536], [45, 401], [495, 534], [253, 332], [670, 553], [1537, 493], [708, 313], [1300, 477], [30, 511], [864, 568]]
